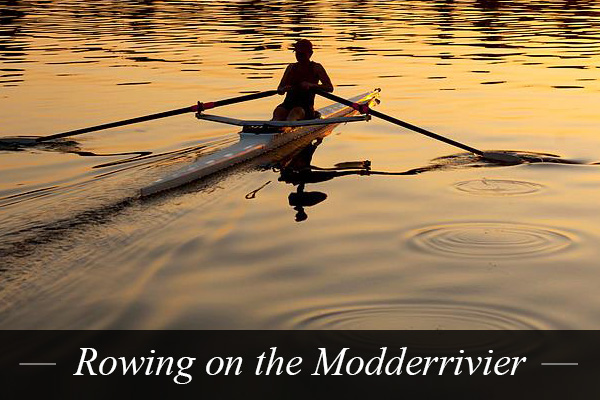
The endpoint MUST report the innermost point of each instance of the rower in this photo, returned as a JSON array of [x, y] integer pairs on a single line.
[[298, 81]]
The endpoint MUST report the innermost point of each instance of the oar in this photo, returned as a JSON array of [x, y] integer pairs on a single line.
[[194, 108], [365, 109]]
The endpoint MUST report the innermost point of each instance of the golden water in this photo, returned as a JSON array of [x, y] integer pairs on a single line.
[[468, 245]]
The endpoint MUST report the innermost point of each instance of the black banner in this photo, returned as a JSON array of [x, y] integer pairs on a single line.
[[301, 364]]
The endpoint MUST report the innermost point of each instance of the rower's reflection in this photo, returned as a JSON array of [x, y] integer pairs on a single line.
[[298, 171]]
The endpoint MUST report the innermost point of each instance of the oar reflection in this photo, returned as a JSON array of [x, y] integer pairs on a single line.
[[297, 170]]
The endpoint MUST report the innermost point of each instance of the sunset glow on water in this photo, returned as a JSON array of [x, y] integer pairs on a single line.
[[463, 244]]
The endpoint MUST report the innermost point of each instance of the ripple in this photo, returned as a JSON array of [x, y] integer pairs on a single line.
[[489, 239], [413, 316], [358, 324], [498, 187]]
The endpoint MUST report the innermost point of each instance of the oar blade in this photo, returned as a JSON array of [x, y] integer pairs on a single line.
[[18, 141], [353, 164], [501, 158]]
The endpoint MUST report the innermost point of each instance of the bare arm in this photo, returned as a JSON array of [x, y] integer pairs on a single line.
[[284, 85], [326, 84]]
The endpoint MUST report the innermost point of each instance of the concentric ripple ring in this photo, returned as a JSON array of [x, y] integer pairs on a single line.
[[489, 239], [359, 324], [497, 187]]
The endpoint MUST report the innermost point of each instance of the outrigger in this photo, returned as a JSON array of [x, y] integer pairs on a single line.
[[259, 137]]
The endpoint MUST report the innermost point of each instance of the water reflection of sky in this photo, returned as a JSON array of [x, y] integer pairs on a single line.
[[553, 34], [455, 246]]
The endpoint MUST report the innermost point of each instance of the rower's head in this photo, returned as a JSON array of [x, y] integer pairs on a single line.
[[303, 49]]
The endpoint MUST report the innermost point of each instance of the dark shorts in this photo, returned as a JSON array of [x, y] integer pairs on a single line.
[[309, 111]]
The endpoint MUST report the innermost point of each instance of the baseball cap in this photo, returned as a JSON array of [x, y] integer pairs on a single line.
[[303, 45]]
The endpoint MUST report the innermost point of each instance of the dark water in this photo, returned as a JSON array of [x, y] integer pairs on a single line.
[[463, 244]]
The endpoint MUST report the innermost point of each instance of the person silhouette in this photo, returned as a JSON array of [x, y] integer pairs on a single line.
[[297, 83]]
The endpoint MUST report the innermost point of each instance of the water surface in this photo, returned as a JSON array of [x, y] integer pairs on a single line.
[[462, 244]]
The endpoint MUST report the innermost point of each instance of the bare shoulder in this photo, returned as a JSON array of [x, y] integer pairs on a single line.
[[288, 70], [319, 67]]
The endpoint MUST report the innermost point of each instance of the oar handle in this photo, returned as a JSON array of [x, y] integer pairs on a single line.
[[199, 107], [233, 100], [363, 108]]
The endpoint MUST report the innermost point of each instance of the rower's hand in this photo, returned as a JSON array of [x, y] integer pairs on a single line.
[[307, 85], [283, 89]]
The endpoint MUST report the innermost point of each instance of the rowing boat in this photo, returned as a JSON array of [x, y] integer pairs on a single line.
[[257, 138]]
